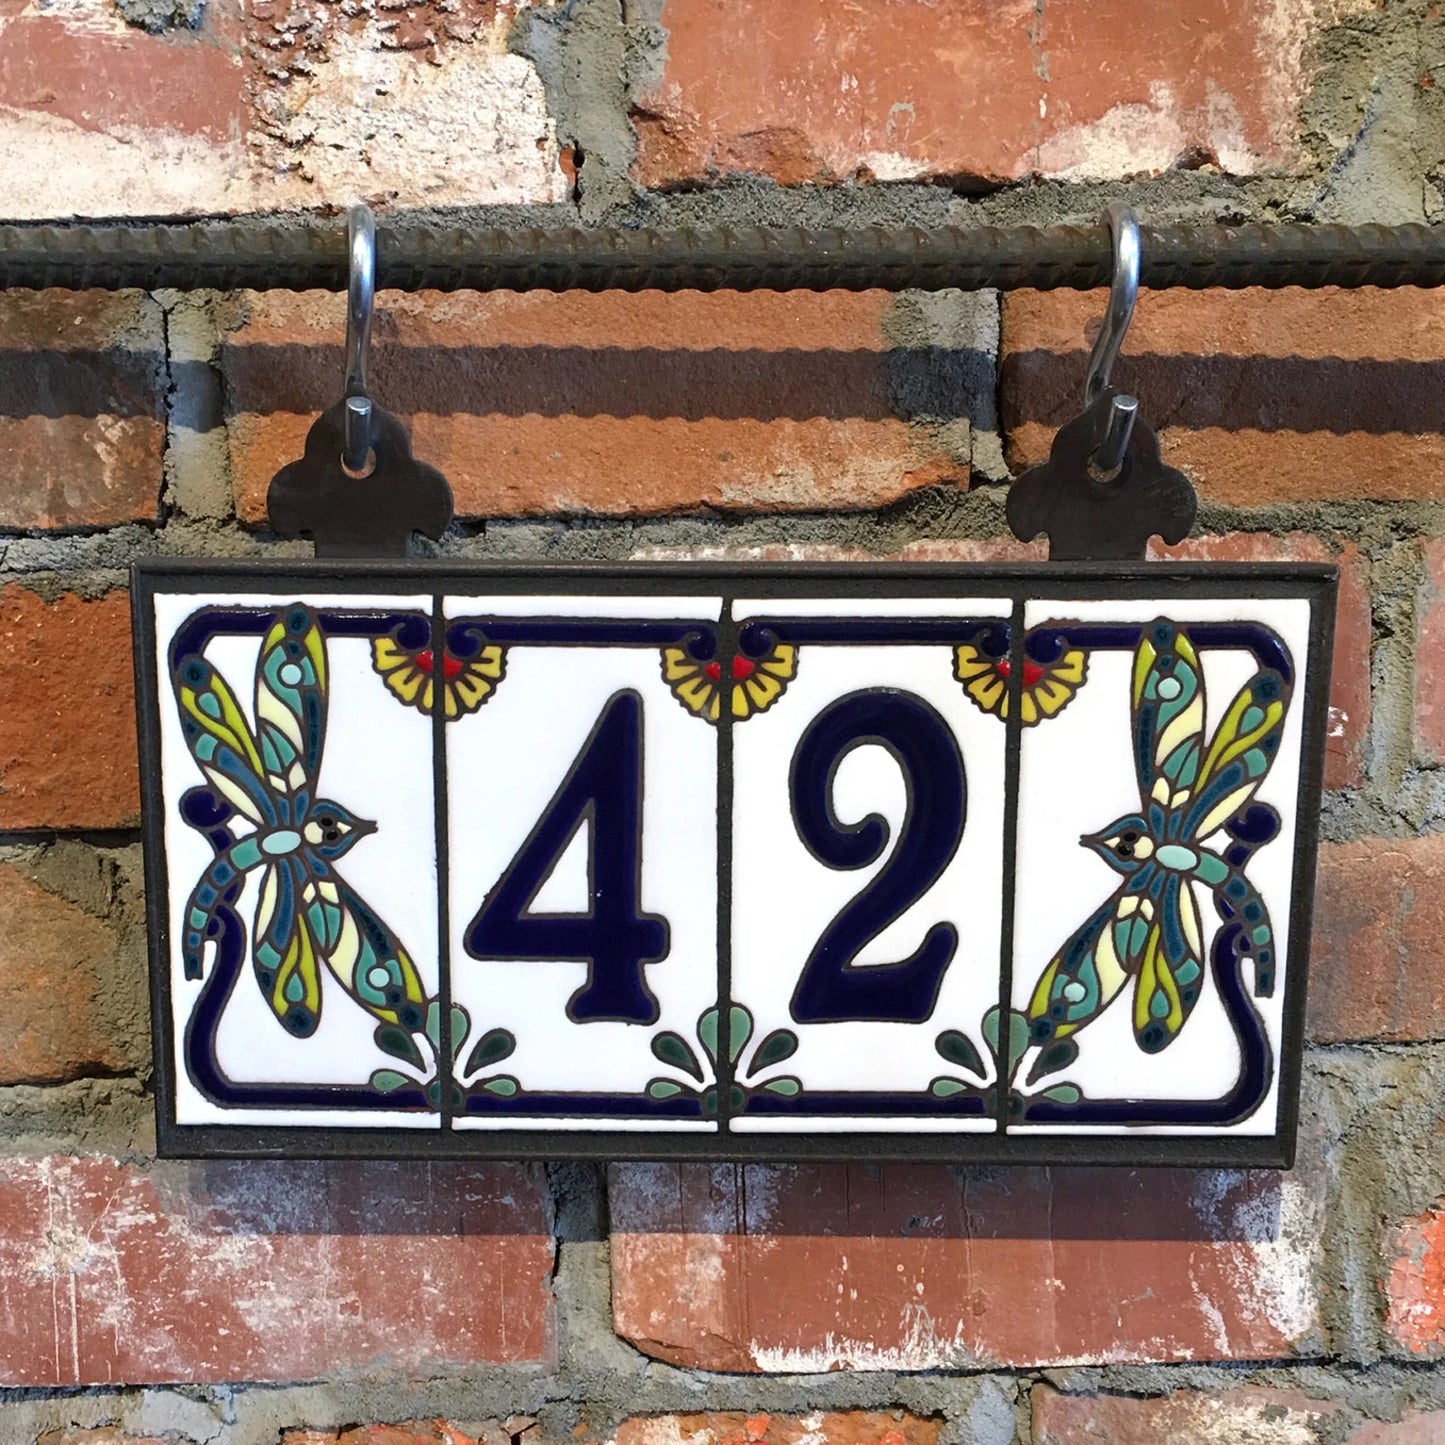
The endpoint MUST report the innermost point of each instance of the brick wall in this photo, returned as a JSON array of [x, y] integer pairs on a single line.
[[309, 1304]]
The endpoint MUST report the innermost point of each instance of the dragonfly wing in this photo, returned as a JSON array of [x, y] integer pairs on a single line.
[[1081, 980], [1085, 975], [220, 739], [291, 683], [1240, 753], [1171, 971], [1168, 712], [366, 957], [284, 953]]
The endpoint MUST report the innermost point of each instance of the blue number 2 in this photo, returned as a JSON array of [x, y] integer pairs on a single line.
[[614, 938], [832, 988]]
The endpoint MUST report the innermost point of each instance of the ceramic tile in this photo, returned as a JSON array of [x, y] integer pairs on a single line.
[[302, 873], [667, 862], [867, 867], [1153, 940], [583, 862]]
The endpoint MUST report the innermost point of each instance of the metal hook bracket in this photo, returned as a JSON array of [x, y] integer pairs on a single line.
[[360, 304], [1104, 490], [358, 491], [1123, 294]]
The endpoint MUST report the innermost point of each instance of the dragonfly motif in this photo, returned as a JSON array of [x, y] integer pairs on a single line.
[[306, 914], [1150, 929]]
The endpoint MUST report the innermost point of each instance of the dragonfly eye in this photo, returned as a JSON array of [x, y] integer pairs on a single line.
[[1124, 846]]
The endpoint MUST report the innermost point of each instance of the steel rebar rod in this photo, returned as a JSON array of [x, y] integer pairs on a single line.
[[414, 256]]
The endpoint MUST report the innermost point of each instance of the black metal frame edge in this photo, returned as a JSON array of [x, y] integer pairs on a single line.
[[1314, 582]]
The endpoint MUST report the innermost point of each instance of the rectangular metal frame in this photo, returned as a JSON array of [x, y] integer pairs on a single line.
[[1072, 581]]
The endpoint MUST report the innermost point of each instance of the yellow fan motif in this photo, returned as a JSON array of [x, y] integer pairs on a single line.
[[411, 674], [756, 683], [1048, 687]]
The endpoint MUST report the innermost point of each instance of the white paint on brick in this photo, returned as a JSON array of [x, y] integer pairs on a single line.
[[472, 126], [466, 123]]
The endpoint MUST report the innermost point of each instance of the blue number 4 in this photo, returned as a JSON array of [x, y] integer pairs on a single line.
[[614, 938]]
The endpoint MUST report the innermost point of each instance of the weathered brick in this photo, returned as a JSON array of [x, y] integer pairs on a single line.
[[539, 404], [263, 1270], [969, 88], [408, 1432], [270, 106], [82, 383], [1261, 396], [1425, 1427], [67, 712], [910, 1267], [1415, 1287], [100, 1435], [54, 962], [1377, 965], [1430, 654], [861, 1427], [1349, 719], [1261, 1417]]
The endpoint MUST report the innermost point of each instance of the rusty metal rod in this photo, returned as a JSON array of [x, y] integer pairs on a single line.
[[415, 256]]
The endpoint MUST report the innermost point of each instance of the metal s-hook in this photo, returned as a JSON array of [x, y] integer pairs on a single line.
[[360, 302], [1123, 293]]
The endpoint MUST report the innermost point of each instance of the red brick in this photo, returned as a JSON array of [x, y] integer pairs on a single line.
[[862, 1427], [812, 1268], [53, 960], [67, 712], [1349, 720], [260, 1270], [409, 1432], [96, 81], [539, 404], [83, 381], [987, 549], [1425, 1428], [101, 1435], [1430, 654], [1377, 966], [901, 89], [1260, 396], [1415, 1289], [1260, 1417]]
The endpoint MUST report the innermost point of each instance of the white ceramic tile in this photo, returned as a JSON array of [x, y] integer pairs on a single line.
[[377, 763], [506, 762], [784, 897], [1061, 883]]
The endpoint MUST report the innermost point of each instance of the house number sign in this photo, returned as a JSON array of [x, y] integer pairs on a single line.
[[960, 863]]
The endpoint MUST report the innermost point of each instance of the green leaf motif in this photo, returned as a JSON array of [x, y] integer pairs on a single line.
[[779, 1045], [947, 1088], [740, 1030], [434, 1024], [399, 1044], [663, 1089], [707, 1032], [494, 1045], [1018, 1035], [388, 1081], [959, 1049], [503, 1085], [1058, 1055], [1063, 1094], [673, 1049], [461, 1027], [786, 1085]]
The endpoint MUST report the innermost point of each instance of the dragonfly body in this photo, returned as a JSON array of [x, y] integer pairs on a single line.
[[1150, 930], [306, 914]]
